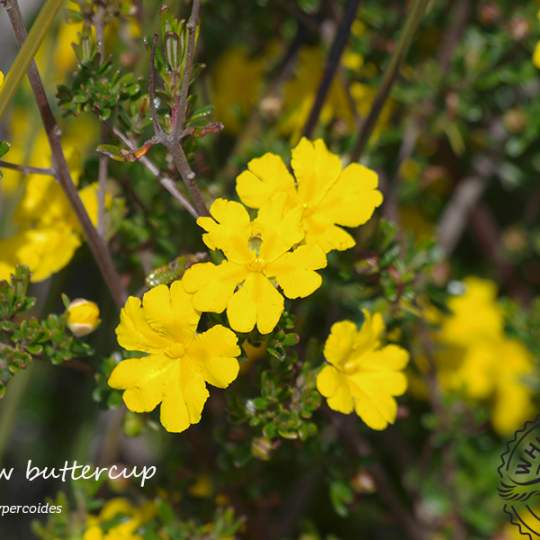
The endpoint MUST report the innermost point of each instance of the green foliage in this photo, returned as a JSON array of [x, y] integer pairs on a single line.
[[24, 338], [98, 88]]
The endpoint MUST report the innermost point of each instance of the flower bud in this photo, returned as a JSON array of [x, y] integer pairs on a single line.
[[83, 317]]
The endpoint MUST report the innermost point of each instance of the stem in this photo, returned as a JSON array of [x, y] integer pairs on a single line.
[[411, 26], [27, 169], [332, 64], [97, 245], [182, 100], [188, 176], [99, 24], [165, 181], [28, 50], [152, 87]]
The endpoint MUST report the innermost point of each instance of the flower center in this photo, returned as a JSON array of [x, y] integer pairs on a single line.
[[350, 367], [257, 264], [176, 351]]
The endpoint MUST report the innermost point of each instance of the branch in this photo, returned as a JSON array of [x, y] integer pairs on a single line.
[[390, 76], [95, 242], [99, 24], [165, 181], [332, 64], [152, 87], [182, 98], [27, 169]]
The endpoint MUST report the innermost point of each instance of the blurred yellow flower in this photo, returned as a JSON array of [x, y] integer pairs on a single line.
[[237, 83], [128, 519], [363, 375], [179, 361], [82, 317], [1, 79], [536, 55], [299, 94], [326, 195], [40, 229], [478, 359], [258, 253]]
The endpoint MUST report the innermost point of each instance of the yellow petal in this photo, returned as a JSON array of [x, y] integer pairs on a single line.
[[353, 198], [229, 229], [212, 285], [279, 227], [327, 235], [256, 302], [184, 398], [134, 333], [387, 359], [170, 312], [266, 176], [315, 168], [340, 342], [341, 400], [328, 381], [143, 379], [295, 272], [215, 352], [377, 411]]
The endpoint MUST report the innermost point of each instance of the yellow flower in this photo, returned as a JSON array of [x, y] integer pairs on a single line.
[[475, 314], [83, 317], [132, 518], [363, 375], [476, 357], [258, 253], [179, 360], [325, 194], [42, 231], [536, 55], [1, 79], [299, 94], [238, 82]]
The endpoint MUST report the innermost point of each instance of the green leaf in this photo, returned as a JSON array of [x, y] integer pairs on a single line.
[[27, 52]]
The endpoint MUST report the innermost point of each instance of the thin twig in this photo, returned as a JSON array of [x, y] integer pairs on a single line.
[[390, 76], [152, 87], [173, 142], [332, 64], [27, 169], [103, 173], [168, 183], [95, 242], [182, 99]]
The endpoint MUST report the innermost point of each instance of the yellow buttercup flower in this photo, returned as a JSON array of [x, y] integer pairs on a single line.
[[83, 317], [299, 95], [477, 359], [179, 361], [1, 79], [42, 231], [258, 253], [363, 375], [475, 314], [130, 518], [327, 195], [238, 82]]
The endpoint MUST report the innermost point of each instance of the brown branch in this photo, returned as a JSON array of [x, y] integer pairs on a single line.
[[165, 181], [390, 76], [27, 169], [95, 242], [332, 65]]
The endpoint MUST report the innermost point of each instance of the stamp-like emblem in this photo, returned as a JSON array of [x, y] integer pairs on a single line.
[[519, 484]]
